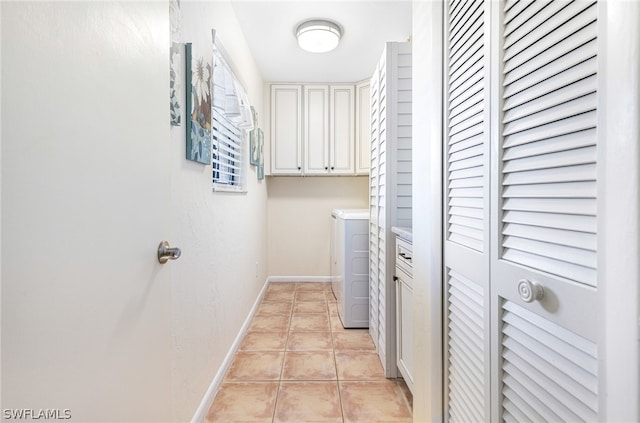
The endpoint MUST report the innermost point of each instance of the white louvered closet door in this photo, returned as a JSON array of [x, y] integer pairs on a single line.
[[544, 231], [374, 273], [466, 212]]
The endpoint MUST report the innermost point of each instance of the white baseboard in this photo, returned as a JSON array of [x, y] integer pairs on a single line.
[[207, 401], [299, 279]]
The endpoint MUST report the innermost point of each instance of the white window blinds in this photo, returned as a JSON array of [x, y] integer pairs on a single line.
[[230, 119], [227, 151]]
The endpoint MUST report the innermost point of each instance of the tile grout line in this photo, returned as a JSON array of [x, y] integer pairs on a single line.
[[333, 346]]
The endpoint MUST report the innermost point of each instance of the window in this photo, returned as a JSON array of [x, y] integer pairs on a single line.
[[231, 118], [227, 153]]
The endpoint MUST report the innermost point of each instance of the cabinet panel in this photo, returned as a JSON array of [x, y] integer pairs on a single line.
[[404, 330], [286, 129], [404, 310], [316, 129], [363, 128], [342, 130]]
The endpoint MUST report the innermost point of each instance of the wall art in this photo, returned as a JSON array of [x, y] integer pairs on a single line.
[[174, 84], [254, 158], [198, 98], [260, 155]]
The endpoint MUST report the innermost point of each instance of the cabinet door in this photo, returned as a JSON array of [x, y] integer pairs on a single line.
[[342, 137], [286, 129], [404, 326], [316, 129], [363, 128]]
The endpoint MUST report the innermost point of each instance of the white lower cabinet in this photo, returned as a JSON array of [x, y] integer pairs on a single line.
[[404, 310]]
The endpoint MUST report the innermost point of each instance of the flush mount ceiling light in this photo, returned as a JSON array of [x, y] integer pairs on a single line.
[[318, 36]]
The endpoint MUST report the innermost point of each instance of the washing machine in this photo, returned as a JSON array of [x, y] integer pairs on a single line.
[[350, 265]]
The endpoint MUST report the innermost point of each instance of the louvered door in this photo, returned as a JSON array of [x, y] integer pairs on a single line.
[[466, 226], [374, 273], [544, 230], [390, 191]]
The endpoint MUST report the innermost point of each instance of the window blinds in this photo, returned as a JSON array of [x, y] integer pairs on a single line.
[[231, 116]]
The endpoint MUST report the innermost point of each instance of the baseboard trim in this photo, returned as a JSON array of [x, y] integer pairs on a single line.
[[299, 278], [207, 401]]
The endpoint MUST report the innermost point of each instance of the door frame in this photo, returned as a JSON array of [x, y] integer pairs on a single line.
[[618, 205]]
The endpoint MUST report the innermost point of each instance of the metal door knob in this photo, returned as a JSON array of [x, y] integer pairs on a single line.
[[530, 291], [166, 253]]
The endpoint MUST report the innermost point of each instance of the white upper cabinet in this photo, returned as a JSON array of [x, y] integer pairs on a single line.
[[342, 126], [313, 130], [316, 129], [363, 128], [286, 129]]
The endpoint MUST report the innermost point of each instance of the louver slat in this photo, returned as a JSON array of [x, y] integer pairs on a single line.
[[554, 91], [549, 141], [536, 14], [514, 9], [547, 368], [580, 43], [552, 31], [466, 106], [465, 345]]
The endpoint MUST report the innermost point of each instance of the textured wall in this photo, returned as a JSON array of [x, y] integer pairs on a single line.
[[222, 235]]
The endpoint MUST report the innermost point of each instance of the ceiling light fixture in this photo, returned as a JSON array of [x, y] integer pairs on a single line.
[[318, 36]]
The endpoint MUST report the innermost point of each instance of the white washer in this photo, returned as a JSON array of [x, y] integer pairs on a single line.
[[350, 265]]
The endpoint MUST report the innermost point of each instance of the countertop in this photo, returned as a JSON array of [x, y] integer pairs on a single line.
[[403, 233]]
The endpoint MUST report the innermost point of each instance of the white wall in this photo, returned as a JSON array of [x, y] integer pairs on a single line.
[[85, 127], [299, 210], [222, 235]]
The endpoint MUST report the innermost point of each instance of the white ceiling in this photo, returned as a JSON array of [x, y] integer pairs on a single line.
[[269, 28]]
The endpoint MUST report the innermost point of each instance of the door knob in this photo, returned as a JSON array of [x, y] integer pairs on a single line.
[[530, 291], [166, 253]]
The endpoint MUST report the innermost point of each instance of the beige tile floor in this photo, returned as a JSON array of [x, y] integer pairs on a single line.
[[298, 364]]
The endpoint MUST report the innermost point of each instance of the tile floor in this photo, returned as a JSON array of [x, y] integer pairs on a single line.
[[298, 364]]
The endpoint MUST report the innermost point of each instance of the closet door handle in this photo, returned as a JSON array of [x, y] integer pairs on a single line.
[[530, 291]]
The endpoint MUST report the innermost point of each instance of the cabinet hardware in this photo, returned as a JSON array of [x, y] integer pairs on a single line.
[[404, 256]]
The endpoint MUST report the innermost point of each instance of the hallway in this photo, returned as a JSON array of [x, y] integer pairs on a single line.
[[298, 364]]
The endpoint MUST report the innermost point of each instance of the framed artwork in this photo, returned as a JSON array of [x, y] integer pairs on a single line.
[[198, 99], [260, 149], [253, 140], [175, 72], [174, 84]]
